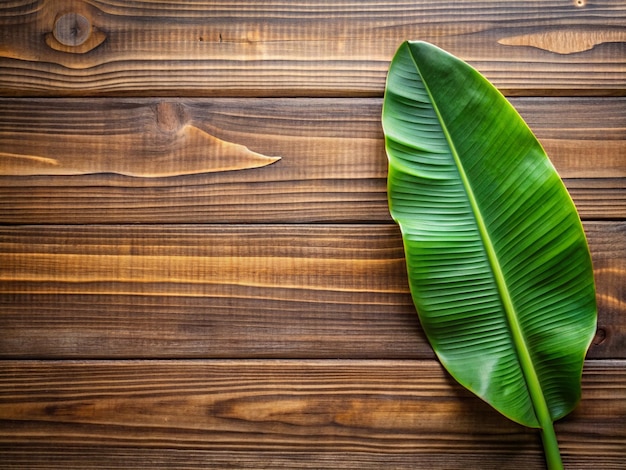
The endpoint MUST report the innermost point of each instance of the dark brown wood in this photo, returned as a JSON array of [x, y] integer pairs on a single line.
[[302, 48], [165, 161], [197, 264], [309, 414], [306, 291], [50, 457]]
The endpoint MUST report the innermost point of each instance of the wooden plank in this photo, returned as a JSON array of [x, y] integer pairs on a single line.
[[50, 457], [332, 411], [74, 47], [165, 161], [299, 291]]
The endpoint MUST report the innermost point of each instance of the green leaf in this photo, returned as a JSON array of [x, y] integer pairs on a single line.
[[498, 263]]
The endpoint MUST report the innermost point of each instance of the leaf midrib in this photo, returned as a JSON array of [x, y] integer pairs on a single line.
[[523, 353]]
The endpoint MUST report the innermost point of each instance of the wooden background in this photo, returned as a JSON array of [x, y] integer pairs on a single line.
[[172, 296]]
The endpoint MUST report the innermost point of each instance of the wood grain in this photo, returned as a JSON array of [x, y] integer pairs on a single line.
[[63, 160], [174, 296], [303, 48], [305, 291], [159, 143], [337, 412]]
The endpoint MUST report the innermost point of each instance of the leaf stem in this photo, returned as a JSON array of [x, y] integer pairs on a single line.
[[550, 446]]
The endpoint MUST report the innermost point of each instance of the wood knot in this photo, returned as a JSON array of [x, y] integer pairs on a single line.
[[72, 29], [600, 337], [73, 32], [170, 117]]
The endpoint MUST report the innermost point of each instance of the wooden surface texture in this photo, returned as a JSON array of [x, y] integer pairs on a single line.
[[197, 264], [278, 48], [315, 414], [69, 160], [224, 291]]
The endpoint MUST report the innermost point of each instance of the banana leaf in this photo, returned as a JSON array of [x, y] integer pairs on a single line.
[[498, 264]]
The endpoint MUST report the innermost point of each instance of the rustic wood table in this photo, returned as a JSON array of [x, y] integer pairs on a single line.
[[172, 296]]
